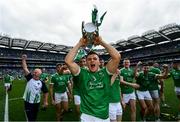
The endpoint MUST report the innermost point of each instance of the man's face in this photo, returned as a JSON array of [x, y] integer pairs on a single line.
[[126, 63], [37, 73], [175, 65], [101, 63], [145, 69], [59, 68], [93, 62], [82, 62]]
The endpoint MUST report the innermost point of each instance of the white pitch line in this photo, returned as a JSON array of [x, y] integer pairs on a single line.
[[15, 98], [6, 111]]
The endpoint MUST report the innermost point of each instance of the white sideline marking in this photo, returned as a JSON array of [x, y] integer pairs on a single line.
[[15, 98], [6, 112]]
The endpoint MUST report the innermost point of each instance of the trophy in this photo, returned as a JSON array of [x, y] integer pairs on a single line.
[[91, 29]]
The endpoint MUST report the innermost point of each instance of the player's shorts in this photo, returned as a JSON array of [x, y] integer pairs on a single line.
[[128, 97], [177, 90], [7, 85], [114, 110], [90, 118], [143, 95], [59, 97], [154, 94], [77, 100]]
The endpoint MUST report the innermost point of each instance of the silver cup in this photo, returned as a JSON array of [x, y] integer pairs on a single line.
[[89, 31]]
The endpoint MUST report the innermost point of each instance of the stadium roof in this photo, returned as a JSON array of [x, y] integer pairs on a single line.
[[167, 33]]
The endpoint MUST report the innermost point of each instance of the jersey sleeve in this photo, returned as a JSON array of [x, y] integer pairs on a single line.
[[28, 77]]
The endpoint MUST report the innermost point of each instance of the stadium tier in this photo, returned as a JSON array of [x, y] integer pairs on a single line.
[[161, 46]]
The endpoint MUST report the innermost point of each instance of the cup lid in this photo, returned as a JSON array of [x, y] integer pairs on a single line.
[[89, 27]]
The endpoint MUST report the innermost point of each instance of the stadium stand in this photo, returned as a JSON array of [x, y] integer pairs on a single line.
[[161, 46]]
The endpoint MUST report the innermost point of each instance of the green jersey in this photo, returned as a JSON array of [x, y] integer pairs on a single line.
[[44, 77], [60, 82], [94, 92], [8, 79], [128, 76], [144, 80], [175, 73], [154, 82], [115, 91]]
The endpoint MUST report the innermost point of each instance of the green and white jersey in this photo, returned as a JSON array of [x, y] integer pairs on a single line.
[[154, 82], [60, 82], [94, 88], [128, 76], [144, 80], [115, 91], [8, 79], [175, 73], [33, 90]]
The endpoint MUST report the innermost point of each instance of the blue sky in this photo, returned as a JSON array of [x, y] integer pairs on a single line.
[[59, 21]]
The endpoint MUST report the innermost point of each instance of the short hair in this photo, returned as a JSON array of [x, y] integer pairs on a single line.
[[59, 64], [150, 63], [91, 53], [145, 64], [126, 59]]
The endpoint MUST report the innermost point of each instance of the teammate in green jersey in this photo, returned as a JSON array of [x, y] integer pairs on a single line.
[[94, 82], [45, 77], [127, 87], [58, 92], [8, 79], [144, 78], [175, 73], [115, 108], [76, 93], [154, 90]]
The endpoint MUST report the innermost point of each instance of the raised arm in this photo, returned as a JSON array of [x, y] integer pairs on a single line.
[[165, 74], [136, 69], [112, 65], [69, 59], [24, 64]]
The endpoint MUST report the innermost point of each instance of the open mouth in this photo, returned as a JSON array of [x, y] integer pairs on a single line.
[[93, 65]]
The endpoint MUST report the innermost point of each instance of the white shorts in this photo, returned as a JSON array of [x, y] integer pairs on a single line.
[[143, 95], [128, 97], [77, 100], [60, 97], [177, 90], [114, 110], [154, 94], [90, 118], [7, 85]]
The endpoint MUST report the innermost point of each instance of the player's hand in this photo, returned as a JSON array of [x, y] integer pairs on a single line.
[[123, 104], [83, 41], [24, 56], [97, 40], [139, 63], [53, 102], [135, 85], [165, 66]]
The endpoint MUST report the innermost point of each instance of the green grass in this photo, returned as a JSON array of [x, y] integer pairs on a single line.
[[16, 107]]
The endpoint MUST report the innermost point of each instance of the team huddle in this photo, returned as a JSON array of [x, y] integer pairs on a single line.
[[101, 91]]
